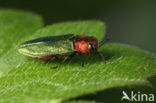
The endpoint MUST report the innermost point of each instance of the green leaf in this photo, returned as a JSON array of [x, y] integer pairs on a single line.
[[15, 25], [80, 101], [32, 81]]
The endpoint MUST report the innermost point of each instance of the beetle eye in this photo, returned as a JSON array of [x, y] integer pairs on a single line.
[[90, 47], [93, 46]]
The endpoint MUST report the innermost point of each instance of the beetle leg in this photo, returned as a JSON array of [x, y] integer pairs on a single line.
[[55, 67], [56, 57], [103, 58], [82, 61]]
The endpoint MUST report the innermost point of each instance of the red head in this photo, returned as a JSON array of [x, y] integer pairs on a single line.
[[86, 44]]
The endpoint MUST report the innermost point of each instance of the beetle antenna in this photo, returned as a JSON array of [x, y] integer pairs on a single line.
[[103, 41]]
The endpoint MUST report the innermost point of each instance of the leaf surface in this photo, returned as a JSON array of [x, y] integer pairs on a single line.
[[32, 81], [15, 25]]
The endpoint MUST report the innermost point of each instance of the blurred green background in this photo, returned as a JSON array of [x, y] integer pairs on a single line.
[[127, 21]]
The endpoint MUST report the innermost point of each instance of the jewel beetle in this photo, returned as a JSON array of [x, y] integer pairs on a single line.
[[59, 46]]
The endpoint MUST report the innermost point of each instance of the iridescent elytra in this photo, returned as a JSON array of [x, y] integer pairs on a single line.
[[59, 46]]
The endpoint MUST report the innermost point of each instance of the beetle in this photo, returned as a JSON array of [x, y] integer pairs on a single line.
[[59, 46]]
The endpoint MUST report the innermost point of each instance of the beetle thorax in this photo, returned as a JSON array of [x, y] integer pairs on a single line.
[[85, 44]]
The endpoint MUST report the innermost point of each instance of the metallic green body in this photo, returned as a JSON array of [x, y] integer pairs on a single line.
[[48, 46]]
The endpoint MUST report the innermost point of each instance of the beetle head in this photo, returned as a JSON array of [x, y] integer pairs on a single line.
[[86, 44]]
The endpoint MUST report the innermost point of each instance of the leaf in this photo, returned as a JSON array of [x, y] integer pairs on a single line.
[[15, 25], [106, 96], [80, 101], [96, 28], [32, 81]]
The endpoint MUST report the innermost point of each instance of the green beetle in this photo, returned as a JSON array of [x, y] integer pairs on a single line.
[[59, 46]]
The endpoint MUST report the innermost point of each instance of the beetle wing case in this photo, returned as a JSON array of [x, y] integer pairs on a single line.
[[48, 46]]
